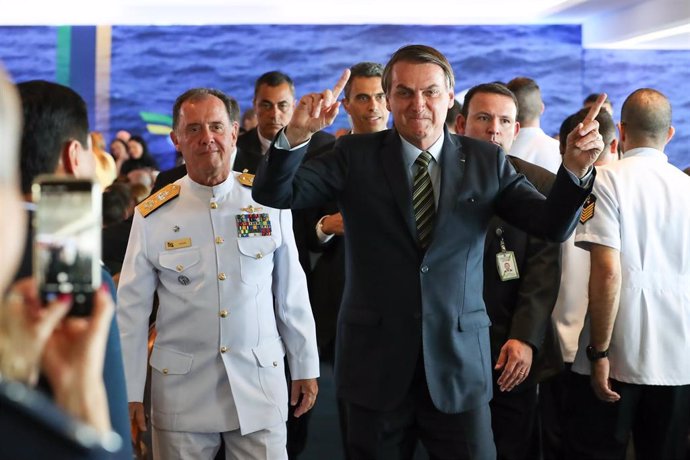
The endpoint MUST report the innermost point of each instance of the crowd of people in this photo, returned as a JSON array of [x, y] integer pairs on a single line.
[[481, 289]]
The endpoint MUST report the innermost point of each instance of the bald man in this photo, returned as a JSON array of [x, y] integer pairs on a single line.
[[634, 346]]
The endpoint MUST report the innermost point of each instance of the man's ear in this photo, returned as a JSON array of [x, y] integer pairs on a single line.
[[669, 135], [235, 130], [613, 148], [69, 156], [460, 124], [173, 138], [346, 104]]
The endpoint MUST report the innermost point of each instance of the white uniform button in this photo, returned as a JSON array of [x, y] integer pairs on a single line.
[[223, 349], [219, 240], [214, 205], [259, 255], [275, 363], [222, 276], [165, 371], [179, 268], [223, 313]]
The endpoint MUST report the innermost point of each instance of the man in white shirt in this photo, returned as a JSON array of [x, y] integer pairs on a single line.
[[532, 143], [636, 339], [571, 306]]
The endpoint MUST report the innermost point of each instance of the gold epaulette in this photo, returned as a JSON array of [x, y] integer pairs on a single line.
[[246, 179], [158, 199]]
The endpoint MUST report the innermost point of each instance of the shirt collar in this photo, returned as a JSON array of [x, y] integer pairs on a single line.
[[265, 143], [645, 152], [410, 152]]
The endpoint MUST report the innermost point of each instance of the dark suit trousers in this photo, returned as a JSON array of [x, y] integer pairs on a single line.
[[658, 417], [393, 435], [553, 397], [513, 420]]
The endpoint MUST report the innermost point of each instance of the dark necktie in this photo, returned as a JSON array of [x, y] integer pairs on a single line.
[[423, 199]]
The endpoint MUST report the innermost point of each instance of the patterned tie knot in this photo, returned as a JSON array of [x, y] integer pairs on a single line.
[[423, 159]]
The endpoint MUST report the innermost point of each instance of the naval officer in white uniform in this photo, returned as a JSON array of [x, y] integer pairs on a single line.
[[232, 302], [636, 339]]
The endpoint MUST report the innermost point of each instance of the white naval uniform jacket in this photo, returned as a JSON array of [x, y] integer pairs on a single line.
[[230, 307]]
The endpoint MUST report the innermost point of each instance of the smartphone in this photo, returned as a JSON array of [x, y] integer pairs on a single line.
[[67, 239]]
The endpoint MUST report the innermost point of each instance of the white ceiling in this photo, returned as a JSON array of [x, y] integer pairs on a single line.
[[655, 24]]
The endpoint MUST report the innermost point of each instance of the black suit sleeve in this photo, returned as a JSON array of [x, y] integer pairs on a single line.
[[556, 218], [540, 280]]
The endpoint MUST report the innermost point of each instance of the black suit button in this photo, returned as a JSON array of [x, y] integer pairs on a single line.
[[472, 200], [424, 269]]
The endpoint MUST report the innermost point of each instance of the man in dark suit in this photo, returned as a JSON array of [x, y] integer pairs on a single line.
[[521, 281], [365, 104], [412, 351], [274, 103], [55, 141]]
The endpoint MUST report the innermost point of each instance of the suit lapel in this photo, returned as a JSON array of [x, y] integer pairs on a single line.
[[452, 173], [394, 169]]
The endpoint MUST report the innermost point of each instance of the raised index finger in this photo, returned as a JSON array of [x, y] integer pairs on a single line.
[[338, 88], [595, 109]]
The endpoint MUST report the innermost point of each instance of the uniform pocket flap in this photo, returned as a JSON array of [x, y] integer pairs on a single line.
[[473, 320], [361, 317], [178, 259], [270, 354], [170, 361], [256, 247]]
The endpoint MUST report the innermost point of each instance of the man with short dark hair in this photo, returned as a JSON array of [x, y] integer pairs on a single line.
[[592, 98], [412, 351], [274, 103], [521, 278], [634, 346], [571, 305], [365, 101], [55, 140], [533, 144]]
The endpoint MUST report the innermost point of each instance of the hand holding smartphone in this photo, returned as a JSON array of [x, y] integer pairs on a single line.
[[67, 239]]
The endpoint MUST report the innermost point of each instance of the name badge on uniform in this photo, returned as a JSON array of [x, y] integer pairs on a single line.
[[253, 224], [505, 260], [507, 268], [178, 244]]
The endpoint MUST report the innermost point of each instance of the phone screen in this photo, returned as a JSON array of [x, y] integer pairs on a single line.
[[67, 240]]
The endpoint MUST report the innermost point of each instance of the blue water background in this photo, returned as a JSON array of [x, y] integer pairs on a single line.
[[153, 65]]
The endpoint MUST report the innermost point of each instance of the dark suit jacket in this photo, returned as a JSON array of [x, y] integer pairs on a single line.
[[33, 427], [521, 308], [250, 145], [328, 274], [399, 300]]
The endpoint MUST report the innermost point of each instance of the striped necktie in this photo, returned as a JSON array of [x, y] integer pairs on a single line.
[[423, 199]]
